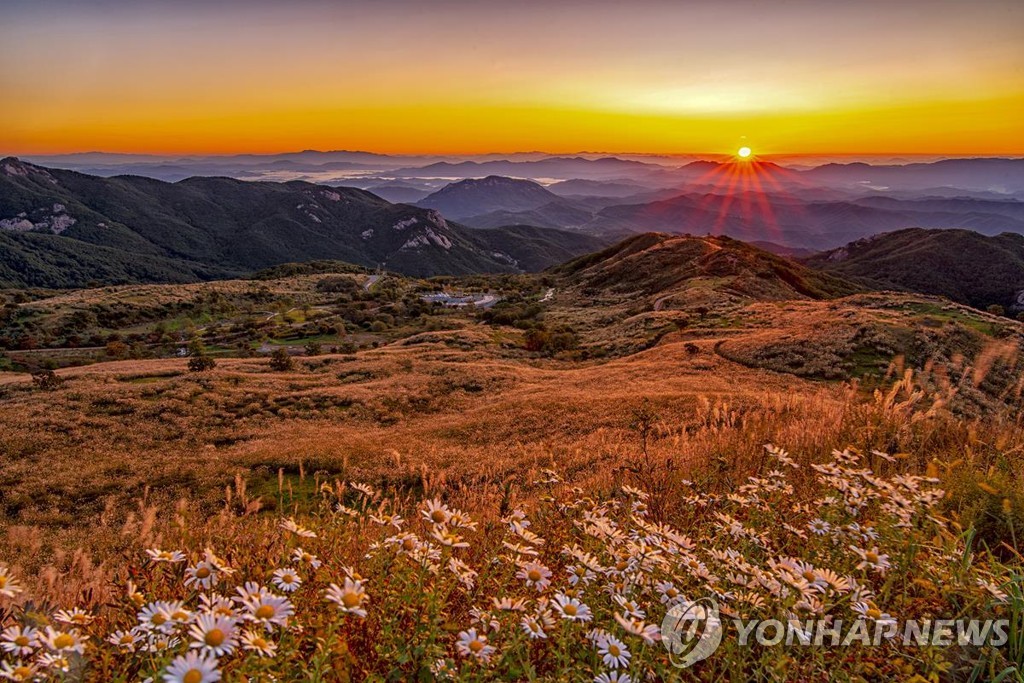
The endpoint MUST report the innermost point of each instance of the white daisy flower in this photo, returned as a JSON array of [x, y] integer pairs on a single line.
[[63, 642], [268, 610], [872, 559], [254, 641], [536, 575], [291, 525], [287, 580], [19, 640], [819, 527], [125, 640], [202, 574], [171, 556], [302, 557], [612, 677], [9, 586], [533, 627], [436, 512], [156, 616], [193, 667], [473, 644], [614, 652], [55, 661], [349, 598], [571, 608], [214, 636], [869, 610], [19, 671]]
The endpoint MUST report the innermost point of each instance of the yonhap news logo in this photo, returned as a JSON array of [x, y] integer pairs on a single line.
[[693, 631]]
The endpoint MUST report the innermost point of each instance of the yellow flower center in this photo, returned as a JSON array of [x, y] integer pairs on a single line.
[[265, 612], [214, 637], [437, 516], [874, 613], [533, 575], [871, 557], [287, 578], [62, 641], [350, 600], [614, 650], [202, 573], [809, 575], [127, 639], [258, 642], [476, 646], [570, 610], [158, 619], [306, 557], [21, 641], [408, 544], [180, 615], [23, 673], [3, 580], [193, 676], [621, 565], [672, 593]]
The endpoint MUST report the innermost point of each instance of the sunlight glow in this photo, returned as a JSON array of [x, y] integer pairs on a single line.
[[743, 152]]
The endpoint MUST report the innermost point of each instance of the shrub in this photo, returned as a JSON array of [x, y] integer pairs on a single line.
[[47, 380], [280, 360], [314, 349], [201, 363]]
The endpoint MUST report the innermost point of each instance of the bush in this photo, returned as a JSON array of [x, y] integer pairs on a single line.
[[280, 361], [313, 349], [201, 363], [47, 380]]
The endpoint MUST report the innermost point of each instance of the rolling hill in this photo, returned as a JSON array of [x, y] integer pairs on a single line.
[[654, 264], [65, 229], [959, 264]]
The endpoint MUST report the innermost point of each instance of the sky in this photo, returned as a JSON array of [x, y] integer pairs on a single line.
[[455, 77]]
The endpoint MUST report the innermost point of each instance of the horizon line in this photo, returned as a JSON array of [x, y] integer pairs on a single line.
[[809, 155]]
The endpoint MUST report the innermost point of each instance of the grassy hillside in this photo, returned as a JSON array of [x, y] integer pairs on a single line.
[[959, 264], [654, 263]]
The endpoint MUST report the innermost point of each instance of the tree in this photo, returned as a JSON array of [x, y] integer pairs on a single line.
[[117, 349], [198, 360], [280, 360]]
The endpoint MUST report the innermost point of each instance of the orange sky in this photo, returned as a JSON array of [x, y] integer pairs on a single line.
[[799, 77]]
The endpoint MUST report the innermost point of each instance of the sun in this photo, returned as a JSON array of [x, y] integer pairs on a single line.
[[744, 152]]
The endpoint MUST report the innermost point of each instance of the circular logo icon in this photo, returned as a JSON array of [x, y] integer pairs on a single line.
[[691, 631]]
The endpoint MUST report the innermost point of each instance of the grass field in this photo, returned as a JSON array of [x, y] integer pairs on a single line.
[[640, 470]]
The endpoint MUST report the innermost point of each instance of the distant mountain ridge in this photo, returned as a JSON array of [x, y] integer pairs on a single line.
[[472, 197], [62, 229]]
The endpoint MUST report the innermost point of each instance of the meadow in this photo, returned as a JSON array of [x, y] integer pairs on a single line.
[[450, 505]]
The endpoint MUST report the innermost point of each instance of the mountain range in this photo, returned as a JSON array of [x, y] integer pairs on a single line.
[[65, 229], [62, 228]]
